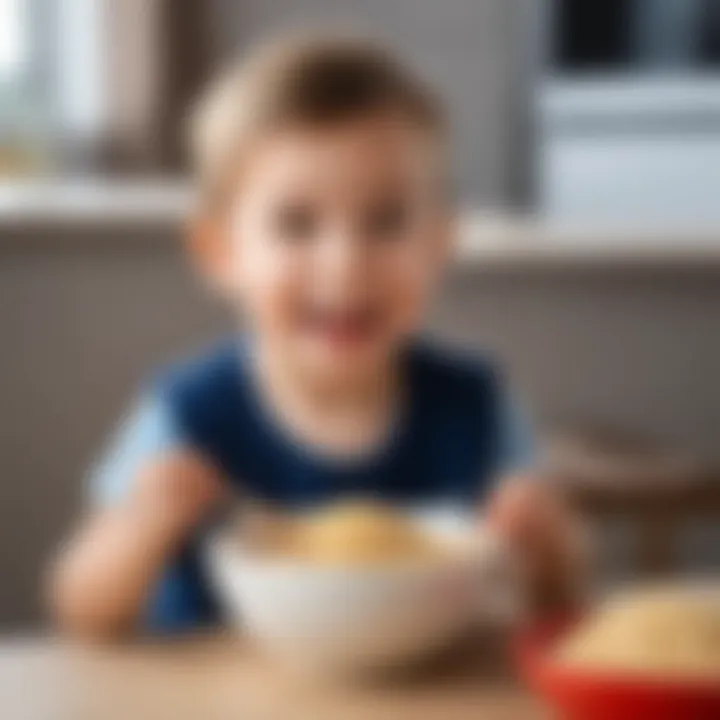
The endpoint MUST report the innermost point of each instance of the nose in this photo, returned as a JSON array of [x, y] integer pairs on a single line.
[[344, 260]]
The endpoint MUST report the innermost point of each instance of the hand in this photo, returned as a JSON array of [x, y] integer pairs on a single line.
[[553, 545]]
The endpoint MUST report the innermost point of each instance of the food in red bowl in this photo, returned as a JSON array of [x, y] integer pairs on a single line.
[[606, 692]]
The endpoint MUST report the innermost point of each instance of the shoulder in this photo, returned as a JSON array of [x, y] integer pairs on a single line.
[[212, 369], [453, 373], [200, 391], [145, 433]]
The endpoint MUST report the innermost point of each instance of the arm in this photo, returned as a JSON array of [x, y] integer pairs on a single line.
[[154, 494]]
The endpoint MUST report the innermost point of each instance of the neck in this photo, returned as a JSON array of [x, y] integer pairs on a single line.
[[343, 415]]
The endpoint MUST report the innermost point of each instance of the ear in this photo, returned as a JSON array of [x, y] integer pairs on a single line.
[[210, 250]]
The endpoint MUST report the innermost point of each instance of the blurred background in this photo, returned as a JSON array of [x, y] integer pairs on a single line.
[[587, 168]]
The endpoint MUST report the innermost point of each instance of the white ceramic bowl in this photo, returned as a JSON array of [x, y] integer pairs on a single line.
[[344, 619]]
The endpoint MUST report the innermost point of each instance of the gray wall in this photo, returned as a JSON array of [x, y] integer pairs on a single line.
[[87, 313], [479, 54]]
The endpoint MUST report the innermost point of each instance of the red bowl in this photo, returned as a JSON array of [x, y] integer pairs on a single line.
[[581, 694]]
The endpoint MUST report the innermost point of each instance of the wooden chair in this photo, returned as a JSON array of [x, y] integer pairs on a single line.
[[659, 493]]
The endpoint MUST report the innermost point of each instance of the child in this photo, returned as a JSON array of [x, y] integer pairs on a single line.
[[323, 214]]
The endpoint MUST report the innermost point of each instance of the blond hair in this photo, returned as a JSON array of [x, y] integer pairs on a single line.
[[299, 82]]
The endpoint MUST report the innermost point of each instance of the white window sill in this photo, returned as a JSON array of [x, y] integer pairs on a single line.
[[51, 210], [93, 202], [542, 243]]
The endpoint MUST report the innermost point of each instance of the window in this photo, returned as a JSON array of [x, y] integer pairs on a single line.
[[50, 69], [13, 41], [630, 111]]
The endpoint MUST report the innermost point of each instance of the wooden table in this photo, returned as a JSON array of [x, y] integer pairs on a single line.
[[214, 678]]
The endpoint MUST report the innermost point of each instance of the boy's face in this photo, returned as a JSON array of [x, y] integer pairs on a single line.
[[337, 237]]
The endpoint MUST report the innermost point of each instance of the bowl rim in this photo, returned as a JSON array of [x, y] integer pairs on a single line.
[[475, 547], [219, 544]]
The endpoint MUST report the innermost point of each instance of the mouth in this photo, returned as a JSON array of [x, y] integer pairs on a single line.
[[343, 326]]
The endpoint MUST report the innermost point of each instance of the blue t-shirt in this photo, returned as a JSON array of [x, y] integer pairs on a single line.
[[457, 431]]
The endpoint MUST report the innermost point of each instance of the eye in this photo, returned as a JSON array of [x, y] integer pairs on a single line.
[[296, 222], [387, 220]]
